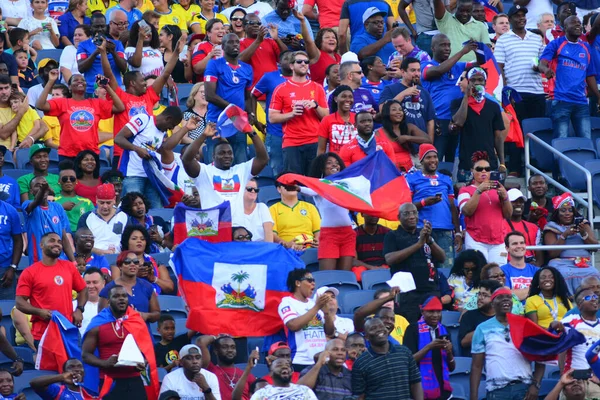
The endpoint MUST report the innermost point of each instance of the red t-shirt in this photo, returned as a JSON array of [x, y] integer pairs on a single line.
[[200, 52], [337, 131], [302, 129], [110, 340], [89, 192], [226, 375], [403, 160], [79, 121], [351, 152], [134, 105], [329, 12], [50, 288], [264, 59], [486, 224], [317, 70]]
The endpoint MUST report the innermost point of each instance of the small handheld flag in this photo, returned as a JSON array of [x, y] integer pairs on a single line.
[[233, 120]]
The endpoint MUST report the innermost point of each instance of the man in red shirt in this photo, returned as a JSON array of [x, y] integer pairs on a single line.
[[329, 12], [47, 286], [299, 104], [276, 351], [211, 48], [365, 142], [262, 53]]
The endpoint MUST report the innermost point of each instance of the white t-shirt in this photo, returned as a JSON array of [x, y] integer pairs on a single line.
[[31, 23], [535, 8], [293, 392], [253, 221], [176, 173], [152, 61], [146, 135], [68, 60], [16, 9], [259, 8], [33, 94], [591, 330], [309, 340], [343, 325], [228, 184], [107, 235], [187, 389], [332, 215], [90, 311]]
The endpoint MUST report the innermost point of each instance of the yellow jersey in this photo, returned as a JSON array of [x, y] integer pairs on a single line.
[[190, 13], [173, 17], [289, 222], [199, 19], [98, 5]]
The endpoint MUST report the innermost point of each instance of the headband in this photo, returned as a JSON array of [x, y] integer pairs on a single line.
[[476, 70], [500, 292]]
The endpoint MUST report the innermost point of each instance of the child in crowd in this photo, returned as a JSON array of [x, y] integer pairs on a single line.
[[52, 138], [167, 350], [19, 40], [31, 128], [27, 75], [43, 31]]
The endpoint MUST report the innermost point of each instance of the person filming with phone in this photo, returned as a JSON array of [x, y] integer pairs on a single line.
[[485, 204]]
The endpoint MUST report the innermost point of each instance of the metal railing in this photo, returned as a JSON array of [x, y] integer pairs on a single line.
[[591, 247]]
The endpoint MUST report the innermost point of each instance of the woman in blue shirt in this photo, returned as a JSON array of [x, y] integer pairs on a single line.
[[74, 16]]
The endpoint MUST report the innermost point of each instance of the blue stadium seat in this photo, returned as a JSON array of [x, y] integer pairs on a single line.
[[16, 173], [49, 53], [266, 177], [463, 365], [172, 305], [546, 387], [311, 260], [458, 392], [594, 167], [579, 150], [30, 394], [180, 328], [448, 166], [22, 381], [164, 213], [350, 301], [464, 382], [104, 160], [162, 258], [183, 92], [9, 162], [268, 195], [178, 148], [161, 374], [111, 258], [52, 156], [542, 128], [7, 305], [344, 281], [258, 371], [453, 331], [451, 318], [376, 279], [23, 263], [552, 372]]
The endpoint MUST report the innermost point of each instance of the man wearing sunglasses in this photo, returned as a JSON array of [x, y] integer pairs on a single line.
[[75, 206]]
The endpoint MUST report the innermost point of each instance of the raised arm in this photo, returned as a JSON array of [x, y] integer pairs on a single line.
[[118, 105], [371, 308], [135, 60], [439, 9], [188, 158], [311, 48], [42, 102], [159, 83], [435, 72]]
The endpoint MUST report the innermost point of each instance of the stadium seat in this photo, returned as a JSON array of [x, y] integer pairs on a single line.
[[49, 53], [594, 167], [579, 150], [546, 387], [448, 166], [268, 195], [253, 343], [23, 263], [344, 281], [458, 392], [52, 156], [30, 394], [16, 173], [111, 258], [9, 162], [178, 148], [104, 160], [350, 301], [162, 258], [164, 213], [542, 128], [464, 382], [552, 372], [376, 279], [463, 365], [173, 305], [311, 260], [22, 381], [7, 305], [595, 122], [161, 374], [445, 271], [453, 331], [451, 318], [258, 371], [265, 177], [180, 328], [183, 92]]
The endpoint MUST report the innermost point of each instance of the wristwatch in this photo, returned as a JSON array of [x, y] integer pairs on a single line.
[[19, 359], [207, 391], [316, 104], [81, 308], [13, 266]]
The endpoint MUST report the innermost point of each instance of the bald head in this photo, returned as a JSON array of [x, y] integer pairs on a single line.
[[334, 343], [438, 38], [118, 16]]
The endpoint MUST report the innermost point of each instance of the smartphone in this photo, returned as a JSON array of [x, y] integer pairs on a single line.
[[144, 25], [438, 195], [578, 220], [101, 80], [495, 176], [582, 374], [444, 337]]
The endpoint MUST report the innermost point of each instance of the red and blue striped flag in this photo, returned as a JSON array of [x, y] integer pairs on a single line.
[[59, 343]]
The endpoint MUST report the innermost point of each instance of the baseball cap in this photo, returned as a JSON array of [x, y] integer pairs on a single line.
[[515, 9], [324, 289], [199, 36], [3, 149], [276, 346], [169, 394], [371, 12], [514, 194], [36, 148], [187, 350], [45, 61], [349, 57]]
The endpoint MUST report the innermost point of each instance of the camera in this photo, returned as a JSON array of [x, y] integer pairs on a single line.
[[98, 39]]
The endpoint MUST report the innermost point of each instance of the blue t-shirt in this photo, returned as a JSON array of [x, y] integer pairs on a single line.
[[574, 65], [53, 390], [423, 186], [365, 39], [132, 16], [40, 221], [519, 278], [596, 55], [266, 85], [10, 224], [85, 50], [443, 89], [232, 83], [416, 113], [374, 88], [67, 25], [353, 11], [97, 261], [9, 191], [142, 292]]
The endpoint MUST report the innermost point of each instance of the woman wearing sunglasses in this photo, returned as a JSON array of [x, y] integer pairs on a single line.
[[464, 276], [548, 298], [252, 215], [485, 205], [142, 296], [75, 206]]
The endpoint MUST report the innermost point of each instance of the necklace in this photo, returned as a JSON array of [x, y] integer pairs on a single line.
[[231, 380], [116, 328]]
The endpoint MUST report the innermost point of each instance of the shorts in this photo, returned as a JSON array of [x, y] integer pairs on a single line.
[[337, 242]]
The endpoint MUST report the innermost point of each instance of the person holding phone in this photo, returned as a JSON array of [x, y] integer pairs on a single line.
[[566, 226]]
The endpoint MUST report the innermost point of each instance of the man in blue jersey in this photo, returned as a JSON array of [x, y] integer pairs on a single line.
[[9, 189], [11, 248], [228, 81], [62, 386], [88, 55], [84, 244], [574, 71], [42, 217], [266, 86]]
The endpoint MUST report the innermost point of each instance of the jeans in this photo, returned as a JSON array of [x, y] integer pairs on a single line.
[[142, 185], [511, 392], [445, 143], [578, 114], [297, 159], [445, 240], [9, 292], [273, 144], [424, 42], [531, 106], [238, 145]]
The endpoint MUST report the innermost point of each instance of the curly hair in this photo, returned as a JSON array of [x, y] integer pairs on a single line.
[[560, 289], [319, 38], [129, 198], [474, 256], [479, 156], [388, 126], [485, 270], [77, 164], [338, 90], [317, 167], [295, 275], [128, 231]]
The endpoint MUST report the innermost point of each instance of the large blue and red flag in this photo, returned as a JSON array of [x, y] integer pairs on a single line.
[[539, 344], [210, 224], [490, 11], [233, 287], [170, 194], [59, 342], [487, 61], [372, 185], [233, 120]]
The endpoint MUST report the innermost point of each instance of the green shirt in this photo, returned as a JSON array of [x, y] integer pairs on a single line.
[[458, 33], [25, 181], [82, 205]]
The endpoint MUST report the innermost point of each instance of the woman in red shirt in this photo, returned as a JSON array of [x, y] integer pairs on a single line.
[[401, 134], [87, 169], [322, 53], [337, 128]]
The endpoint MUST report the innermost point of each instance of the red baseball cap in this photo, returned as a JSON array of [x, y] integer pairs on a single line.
[[276, 346]]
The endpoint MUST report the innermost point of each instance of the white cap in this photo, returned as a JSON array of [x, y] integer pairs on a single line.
[[323, 289], [371, 11], [185, 350], [514, 194], [349, 57]]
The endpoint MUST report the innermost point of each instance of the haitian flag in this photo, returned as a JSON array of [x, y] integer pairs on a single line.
[[210, 224], [515, 134], [490, 11], [372, 185], [233, 120], [493, 85], [233, 287], [170, 193], [539, 344], [135, 325], [59, 343]]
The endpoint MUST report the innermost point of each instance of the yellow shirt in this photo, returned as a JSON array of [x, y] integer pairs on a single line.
[[535, 304], [145, 5], [202, 21], [383, 222], [261, 116], [19, 339], [98, 5], [107, 125], [53, 129], [400, 325], [290, 222], [6, 115], [173, 17], [26, 125], [190, 13]]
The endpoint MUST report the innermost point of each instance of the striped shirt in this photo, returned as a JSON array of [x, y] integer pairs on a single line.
[[369, 248], [385, 376], [518, 56], [331, 386]]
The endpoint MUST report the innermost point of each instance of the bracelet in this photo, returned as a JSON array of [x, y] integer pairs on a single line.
[[478, 191], [587, 235], [458, 234], [32, 139], [423, 203], [502, 165]]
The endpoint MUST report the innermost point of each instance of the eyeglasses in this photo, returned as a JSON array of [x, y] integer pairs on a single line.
[[506, 334], [243, 238], [409, 213], [377, 22], [356, 72], [481, 169], [257, 23], [130, 261], [483, 295], [251, 189], [66, 179], [119, 24], [301, 62], [590, 297], [307, 279], [236, 19]]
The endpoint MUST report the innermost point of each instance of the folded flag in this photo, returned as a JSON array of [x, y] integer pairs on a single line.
[[210, 224], [59, 342], [515, 134], [490, 11], [170, 193], [493, 85], [539, 344], [233, 120], [233, 287], [372, 185]]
